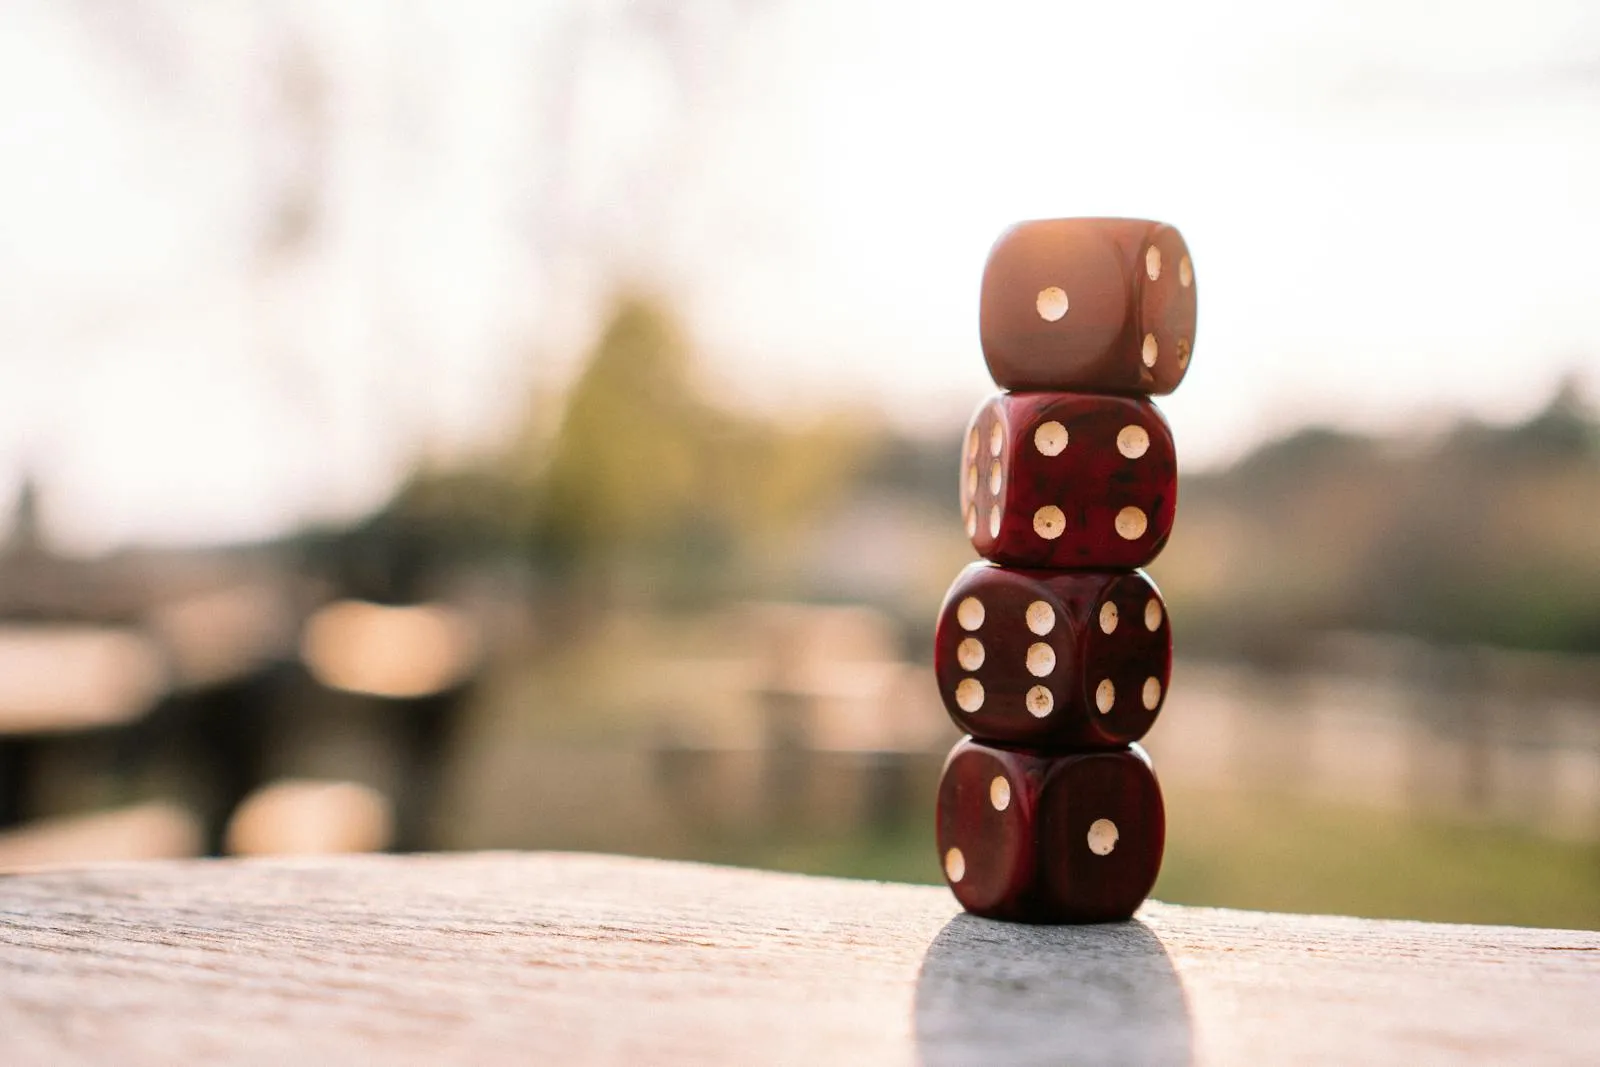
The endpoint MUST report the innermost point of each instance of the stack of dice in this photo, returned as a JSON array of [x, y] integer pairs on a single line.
[[1053, 653]]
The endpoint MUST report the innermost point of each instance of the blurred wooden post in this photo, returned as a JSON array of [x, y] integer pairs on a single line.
[[400, 676], [786, 734], [787, 710], [1448, 684], [429, 726], [827, 688], [889, 791], [16, 760]]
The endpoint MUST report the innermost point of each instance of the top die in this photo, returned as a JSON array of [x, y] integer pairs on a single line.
[[1088, 305]]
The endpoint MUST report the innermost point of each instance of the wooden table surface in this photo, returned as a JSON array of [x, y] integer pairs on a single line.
[[548, 958]]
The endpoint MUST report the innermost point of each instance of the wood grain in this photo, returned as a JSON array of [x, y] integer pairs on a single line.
[[587, 959]]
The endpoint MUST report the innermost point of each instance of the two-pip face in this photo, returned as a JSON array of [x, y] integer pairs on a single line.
[[1068, 480], [1049, 838], [1053, 660]]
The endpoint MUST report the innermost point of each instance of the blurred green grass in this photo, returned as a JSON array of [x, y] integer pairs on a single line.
[[1284, 854], [1288, 854], [1243, 847]]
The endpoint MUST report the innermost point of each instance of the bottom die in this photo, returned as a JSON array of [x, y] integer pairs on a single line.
[[1050, 839]]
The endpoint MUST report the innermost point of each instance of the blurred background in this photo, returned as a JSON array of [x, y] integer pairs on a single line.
[[441, 425]]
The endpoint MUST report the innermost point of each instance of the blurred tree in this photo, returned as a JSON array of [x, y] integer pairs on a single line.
[[646, 489], [644, 473], [26, 535], [1486, 534], [1564, 430], [627, 469]]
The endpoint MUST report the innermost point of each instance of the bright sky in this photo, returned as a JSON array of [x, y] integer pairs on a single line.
[[1391, 207]]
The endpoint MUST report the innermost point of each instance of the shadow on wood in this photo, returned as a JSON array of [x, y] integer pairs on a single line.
[[1005, 995]]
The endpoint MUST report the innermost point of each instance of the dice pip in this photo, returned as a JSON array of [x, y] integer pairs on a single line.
[[1054, 656]]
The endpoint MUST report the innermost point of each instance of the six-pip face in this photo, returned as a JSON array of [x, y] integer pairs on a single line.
[[1053, 660]]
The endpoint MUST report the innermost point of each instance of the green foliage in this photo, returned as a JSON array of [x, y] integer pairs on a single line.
[[1282, 853], [1565, 430], [1484, 535], [647, 488], [1315, 449], [628, 470]]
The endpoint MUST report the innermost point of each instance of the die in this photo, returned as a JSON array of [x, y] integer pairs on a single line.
[[1091, 305], [1068, 480], [1050, 839], [1053, 660]]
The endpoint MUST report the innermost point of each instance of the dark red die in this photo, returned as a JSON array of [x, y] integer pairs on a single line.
[[1068, 480], [1050, 839], [1053, 659], [1090, 305]]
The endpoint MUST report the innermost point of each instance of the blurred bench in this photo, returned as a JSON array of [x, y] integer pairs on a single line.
[[68, 689], [207, 677], [208, 700], [549, 958], [91, 701]]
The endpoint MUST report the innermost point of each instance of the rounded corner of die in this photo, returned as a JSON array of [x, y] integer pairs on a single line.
[[967, 576], [957, 751], [1151, 410], [1137, 750], [990, 399], [1158, 544], [1142, 575], [1160, 230], [1007, 235]]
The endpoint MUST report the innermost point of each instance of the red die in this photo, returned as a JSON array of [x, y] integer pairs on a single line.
[[1097, 305], [1050, 839], [1068, 480], [1058, 659]]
